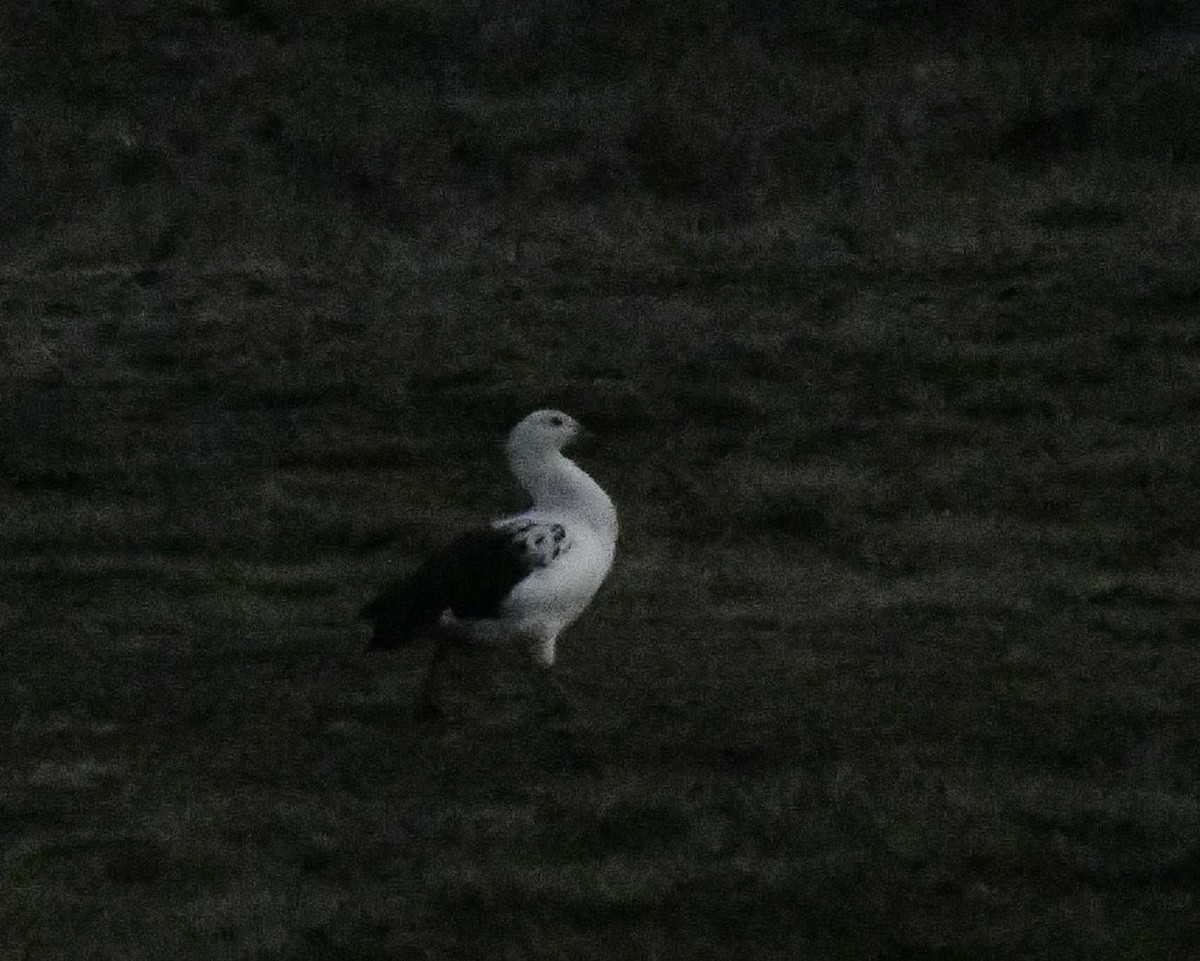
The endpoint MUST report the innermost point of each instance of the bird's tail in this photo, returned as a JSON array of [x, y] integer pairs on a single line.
[[389, 628], [382, 640]]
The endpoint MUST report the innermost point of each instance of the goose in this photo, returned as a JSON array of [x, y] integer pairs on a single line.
[[521, 579]]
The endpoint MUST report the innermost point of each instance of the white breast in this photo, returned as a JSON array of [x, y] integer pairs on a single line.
[[554, 595]]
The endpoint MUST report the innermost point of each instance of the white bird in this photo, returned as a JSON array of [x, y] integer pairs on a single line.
[[521, 578]]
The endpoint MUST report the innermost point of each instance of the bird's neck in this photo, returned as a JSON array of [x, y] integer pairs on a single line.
[[557, 482]]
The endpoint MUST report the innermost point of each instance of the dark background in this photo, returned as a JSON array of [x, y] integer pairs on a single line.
[[886, 317]]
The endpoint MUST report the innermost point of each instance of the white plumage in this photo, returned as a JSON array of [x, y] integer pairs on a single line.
[[523, 578]]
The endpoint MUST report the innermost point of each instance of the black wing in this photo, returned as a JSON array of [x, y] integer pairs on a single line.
[[470, 577]]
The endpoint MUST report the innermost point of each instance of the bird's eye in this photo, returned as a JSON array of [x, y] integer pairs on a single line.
[[556, 421]]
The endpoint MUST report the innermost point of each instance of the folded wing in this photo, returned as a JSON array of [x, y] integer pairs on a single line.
[[470, 578]]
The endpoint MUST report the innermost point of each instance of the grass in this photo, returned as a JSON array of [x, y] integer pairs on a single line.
[[889, 337]]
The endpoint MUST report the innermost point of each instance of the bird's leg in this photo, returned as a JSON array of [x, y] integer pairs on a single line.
[[428, 708], [552, 694], [554, 700], [557, 689]]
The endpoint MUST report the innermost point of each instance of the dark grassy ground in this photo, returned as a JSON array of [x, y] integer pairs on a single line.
[[889, 330]]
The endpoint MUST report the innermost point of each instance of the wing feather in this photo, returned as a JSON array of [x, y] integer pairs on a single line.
[[470, 577]]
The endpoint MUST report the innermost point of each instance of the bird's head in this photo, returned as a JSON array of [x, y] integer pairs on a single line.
[[543, 431]]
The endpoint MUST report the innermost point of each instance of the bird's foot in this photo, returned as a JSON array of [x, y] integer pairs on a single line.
[[559, 710]]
